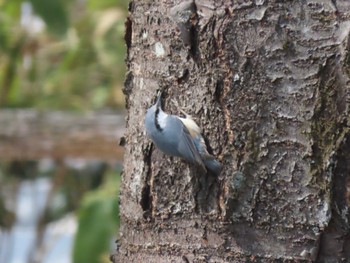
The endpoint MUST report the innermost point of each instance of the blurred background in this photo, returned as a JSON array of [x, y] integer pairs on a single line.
[[61, 120]]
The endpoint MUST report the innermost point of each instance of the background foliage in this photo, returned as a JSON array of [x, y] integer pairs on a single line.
[[69, 56], [65, 55]]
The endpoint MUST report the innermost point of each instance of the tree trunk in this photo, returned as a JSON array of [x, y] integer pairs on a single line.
[[268, 81]]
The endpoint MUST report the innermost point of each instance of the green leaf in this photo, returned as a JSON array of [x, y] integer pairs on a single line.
[[54, 14], [11, 7], [98, 4], [98, 221]]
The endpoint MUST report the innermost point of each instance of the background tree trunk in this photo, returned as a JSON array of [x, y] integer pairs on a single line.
[[269, 83], [30, 135]]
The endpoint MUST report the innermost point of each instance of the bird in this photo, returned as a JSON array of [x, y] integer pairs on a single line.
[[180, 137]]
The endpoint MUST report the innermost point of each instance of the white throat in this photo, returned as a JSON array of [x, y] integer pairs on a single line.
[[162, 119]]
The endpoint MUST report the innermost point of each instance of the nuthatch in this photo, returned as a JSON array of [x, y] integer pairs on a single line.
[[179, 137]]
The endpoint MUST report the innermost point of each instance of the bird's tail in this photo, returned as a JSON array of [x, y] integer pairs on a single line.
[[212, 164]]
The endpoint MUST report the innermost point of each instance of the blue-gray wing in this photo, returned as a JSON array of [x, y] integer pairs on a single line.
[[187, 148]]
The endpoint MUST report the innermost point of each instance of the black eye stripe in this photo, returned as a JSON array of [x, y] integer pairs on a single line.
[[156, 121]]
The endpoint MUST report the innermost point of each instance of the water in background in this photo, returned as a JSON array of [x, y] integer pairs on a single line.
[[17, 244]]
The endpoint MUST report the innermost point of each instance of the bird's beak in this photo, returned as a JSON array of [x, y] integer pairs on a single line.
[[159, 100]]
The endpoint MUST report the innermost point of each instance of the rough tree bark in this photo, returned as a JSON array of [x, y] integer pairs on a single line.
[[269, 83]]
